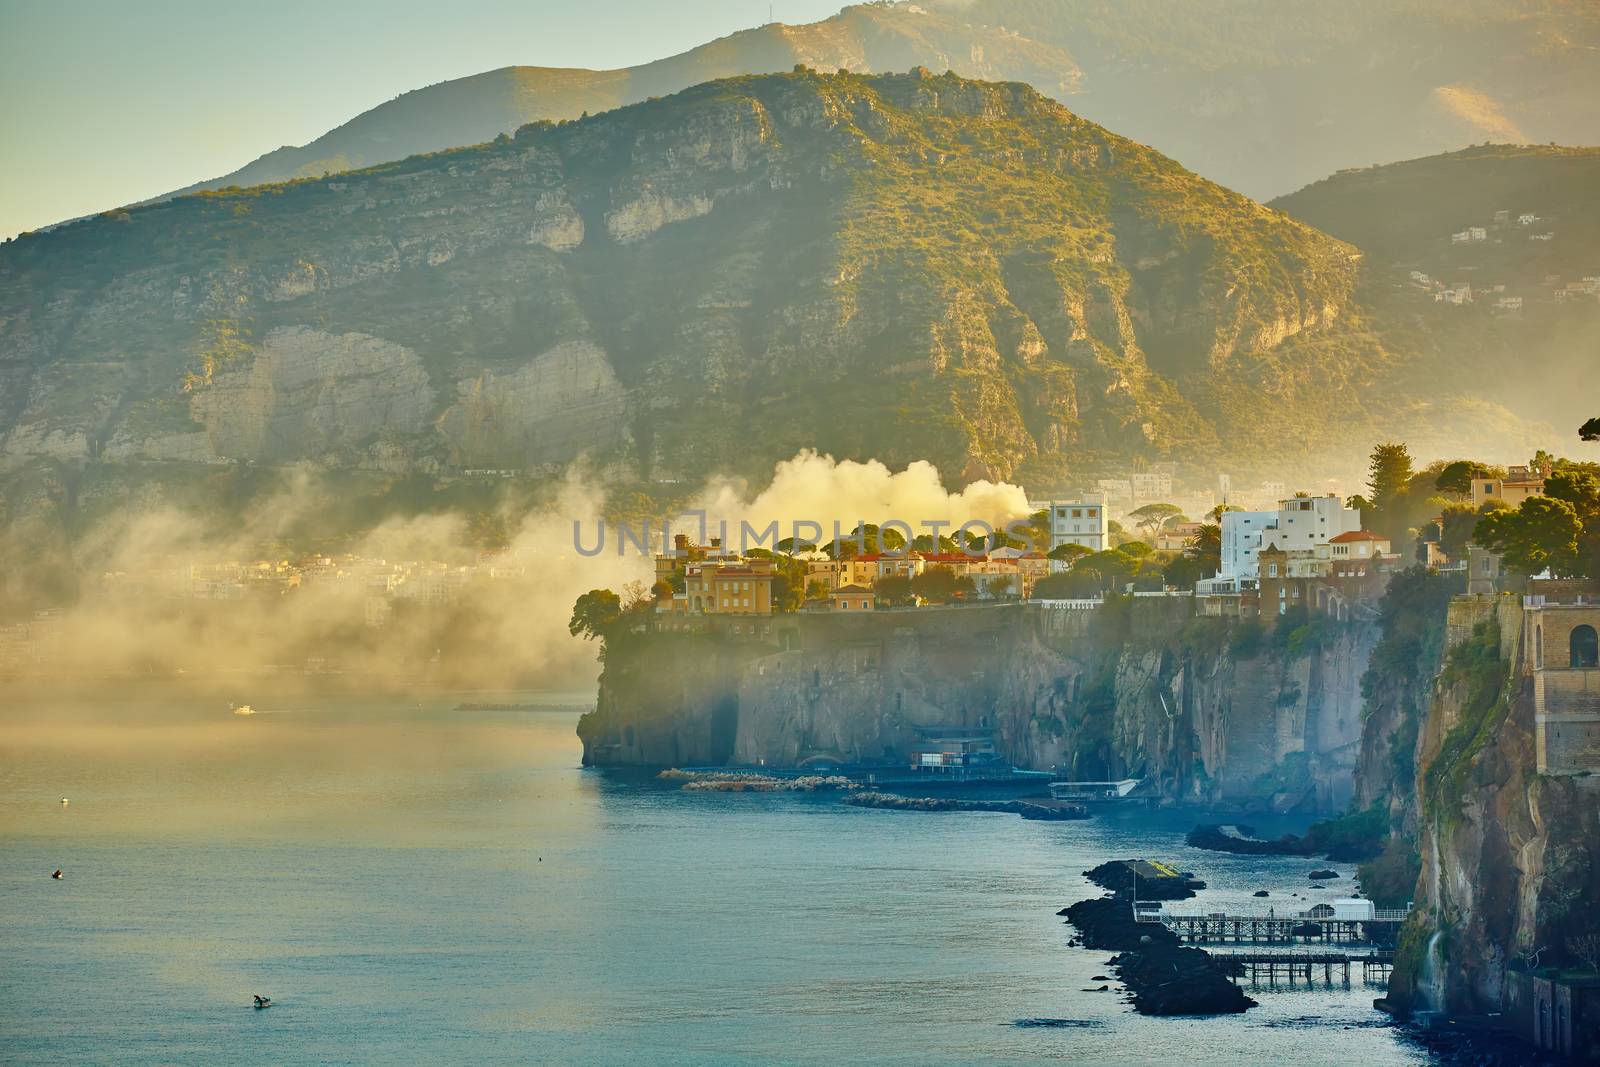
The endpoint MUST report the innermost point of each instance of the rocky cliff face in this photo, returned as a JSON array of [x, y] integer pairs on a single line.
[[1510, 858], [1136, 689], [899, 267]]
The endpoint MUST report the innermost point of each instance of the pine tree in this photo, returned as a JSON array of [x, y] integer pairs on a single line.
[[1389, 473]]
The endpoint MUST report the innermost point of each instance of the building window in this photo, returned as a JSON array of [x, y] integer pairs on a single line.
[[1585, 647]]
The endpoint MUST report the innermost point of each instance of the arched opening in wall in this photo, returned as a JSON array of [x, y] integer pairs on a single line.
[[1585, 647], [1538, 646]]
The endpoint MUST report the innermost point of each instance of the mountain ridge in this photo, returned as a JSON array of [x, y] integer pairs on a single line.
[[969, 272], [1264, 111]]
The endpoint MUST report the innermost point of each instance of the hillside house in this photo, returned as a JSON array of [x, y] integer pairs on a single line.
[[856, 598], [1518, 485]]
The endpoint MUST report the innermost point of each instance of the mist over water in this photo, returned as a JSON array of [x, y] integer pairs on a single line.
[[410, 882]]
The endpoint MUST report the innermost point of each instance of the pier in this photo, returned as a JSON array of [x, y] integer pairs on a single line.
[[1292, 964], [1303, 927]]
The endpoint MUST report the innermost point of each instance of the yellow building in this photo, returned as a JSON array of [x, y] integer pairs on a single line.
[[851, 598], [735, 588], [1518, 485]]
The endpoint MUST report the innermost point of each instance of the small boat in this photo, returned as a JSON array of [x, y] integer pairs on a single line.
[[58, 875], [243, 709], [263, 1002]]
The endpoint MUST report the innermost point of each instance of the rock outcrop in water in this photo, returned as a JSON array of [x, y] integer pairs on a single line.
[[1137, 689], [1164, 977], [1036, 812]]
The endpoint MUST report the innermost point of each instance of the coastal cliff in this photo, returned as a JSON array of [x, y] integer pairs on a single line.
[[1206, 710], [1510, 857]]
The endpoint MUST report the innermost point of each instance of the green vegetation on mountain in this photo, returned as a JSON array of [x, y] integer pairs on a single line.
[[1532, 320], [900, 267], [1404, 213]]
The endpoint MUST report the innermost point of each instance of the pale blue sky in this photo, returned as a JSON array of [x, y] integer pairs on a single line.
[[104, 102]]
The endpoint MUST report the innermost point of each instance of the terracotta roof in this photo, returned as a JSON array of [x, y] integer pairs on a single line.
[[1355, 535], [851, 589]]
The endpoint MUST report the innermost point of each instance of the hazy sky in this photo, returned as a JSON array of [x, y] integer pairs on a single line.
[[104, 102]]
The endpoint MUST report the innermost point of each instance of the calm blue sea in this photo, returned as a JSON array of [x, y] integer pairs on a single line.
[[415, 884]]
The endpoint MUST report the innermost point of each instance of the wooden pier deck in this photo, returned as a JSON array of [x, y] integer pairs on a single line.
[[1292, 964], [1219, 928]]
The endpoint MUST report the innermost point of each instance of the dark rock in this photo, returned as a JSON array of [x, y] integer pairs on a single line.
[[1261, 893], [1163, 977], [1117, 876], [1215, 839], [1023, 808], [1320, 875]]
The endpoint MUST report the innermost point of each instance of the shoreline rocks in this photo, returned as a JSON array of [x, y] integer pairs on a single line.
[[1164, 977], [1041, 812]]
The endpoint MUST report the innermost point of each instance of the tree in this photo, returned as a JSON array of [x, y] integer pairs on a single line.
[[594, 613], [893, 589], [1457, 477], [1206, 550], [1152, 517], [1389, 473], [1135, 550], [1068, 551], [1456, 523], [1070, 585], [1216, 513], [1182, 571], [1586, 947], [662, 590], [940, 585], [1590, 431], [1542, 533], [1110, 570]]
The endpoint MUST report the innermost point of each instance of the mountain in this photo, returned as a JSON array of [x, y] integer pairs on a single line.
[[1406, 212], [1511, 230], [1260, 95], [1265, 96], [901, 266], [465, 111]]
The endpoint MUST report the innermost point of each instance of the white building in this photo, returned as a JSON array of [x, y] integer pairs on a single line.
[[1300, 524], [1151, 485], [1527, 219], [1078, 523], [1115, 490], [1477, 233]]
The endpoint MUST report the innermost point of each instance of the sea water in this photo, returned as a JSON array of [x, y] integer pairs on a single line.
[[411, 883]]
